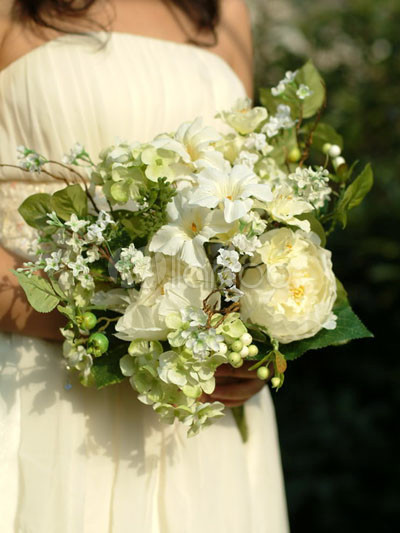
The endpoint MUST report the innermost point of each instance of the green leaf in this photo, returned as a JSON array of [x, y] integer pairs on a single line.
[[240, 419], [341, 295], [70, 200], [310, 76], [67, 311], [268, 101], [120, 192], [325, 133], [349, 327], [354, 194], [106, 370], [34, 210], [39, 292]]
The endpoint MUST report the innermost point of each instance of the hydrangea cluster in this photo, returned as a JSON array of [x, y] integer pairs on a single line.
[[311, 184]]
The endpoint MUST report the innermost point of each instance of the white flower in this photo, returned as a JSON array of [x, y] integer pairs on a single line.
[[76, 224], [281, 120], [226, 278], [94, 234], [78, 266], [249, 159], [188, 229], [256, 141], [229, 259], [86, 280], [246, 245], [74, 154], [303, 91], [233, 294], [133, 266], [53, 262], [93, 254], [242, 117], [253, 223], [104, 219], [311, 185], [292, 294], [281, 87], [230, 189], [29, 159], [286, 205], [172, 287]]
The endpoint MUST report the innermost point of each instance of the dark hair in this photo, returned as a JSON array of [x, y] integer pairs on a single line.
[[203, 13]]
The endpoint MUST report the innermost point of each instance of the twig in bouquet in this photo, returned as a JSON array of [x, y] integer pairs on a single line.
[[309, 140], [41, 171], [107, 322]]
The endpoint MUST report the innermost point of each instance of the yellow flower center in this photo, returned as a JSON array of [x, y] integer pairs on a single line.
[[297, 293], [229, 197], [194, 227]]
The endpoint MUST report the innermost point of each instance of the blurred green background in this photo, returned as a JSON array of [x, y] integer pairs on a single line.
[[337, 412]]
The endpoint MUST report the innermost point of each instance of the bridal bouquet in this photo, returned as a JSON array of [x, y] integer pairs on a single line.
[[198, 248]]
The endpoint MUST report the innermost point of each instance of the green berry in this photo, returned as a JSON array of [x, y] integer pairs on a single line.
[[253, 350], [275, 382], [294, 155], [246, 339], [235, 359], [263, 372], [244, 352], [89, 320], [326, 147], [99, 342], [236, 346]]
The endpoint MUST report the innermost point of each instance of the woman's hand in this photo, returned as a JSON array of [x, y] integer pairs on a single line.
[[16, 315], [234, 386]]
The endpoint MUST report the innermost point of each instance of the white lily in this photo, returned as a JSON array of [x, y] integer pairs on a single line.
[[230, 190], [188, 229]]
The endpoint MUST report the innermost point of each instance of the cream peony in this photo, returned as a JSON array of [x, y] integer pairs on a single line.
[[292, 293]]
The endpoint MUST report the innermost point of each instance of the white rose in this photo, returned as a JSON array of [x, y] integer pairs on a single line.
[[173, 286], [292, 294]]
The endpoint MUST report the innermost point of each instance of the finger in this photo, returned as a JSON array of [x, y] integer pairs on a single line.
[[242, 390]]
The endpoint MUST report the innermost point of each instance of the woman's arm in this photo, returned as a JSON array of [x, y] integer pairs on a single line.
[[16, 315]]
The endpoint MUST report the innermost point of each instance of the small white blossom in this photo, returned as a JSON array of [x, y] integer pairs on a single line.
[[74, 154], [53, 220], [249, 159], [246, 245], [76, 224], [311, 185], [194, 316], [104, 219], [226, 278], [303, 92], [256, 223], [255, 141], [53, 262], [133, 266], [229, 259], [281, 87], [94, 234], [86, 280], [281, 120], [233, 294], [29, 159], [93, 254], [78, 266]]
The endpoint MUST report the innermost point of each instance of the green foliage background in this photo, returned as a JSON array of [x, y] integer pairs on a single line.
[[337, 412]]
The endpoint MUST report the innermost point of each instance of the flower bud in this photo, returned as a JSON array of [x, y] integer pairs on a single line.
[[275, 382], [253, 350], [236, 346], [246, 339], [326, 148], [262, 372], [334, 150], [244, 352]]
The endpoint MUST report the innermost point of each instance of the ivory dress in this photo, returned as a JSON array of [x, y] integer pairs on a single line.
[[86, 461]]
